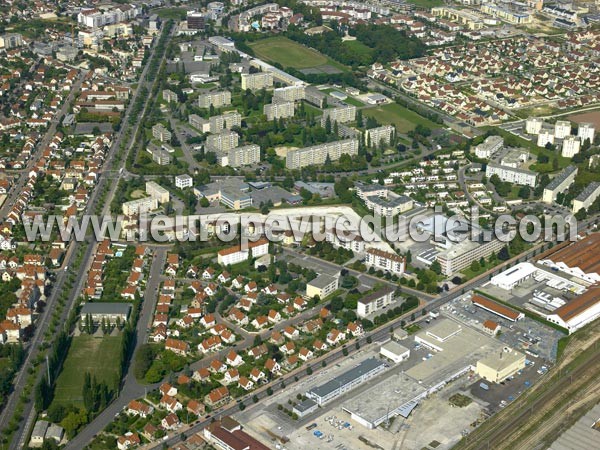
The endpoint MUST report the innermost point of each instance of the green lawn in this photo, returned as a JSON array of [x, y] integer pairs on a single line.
[[358, 48], [352, 101], [99, 356], [404, 119], [289, 53], [427, 3], [172, 13]]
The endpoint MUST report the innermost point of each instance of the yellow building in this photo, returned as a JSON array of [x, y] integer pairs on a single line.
[[498, 367], [321, 286]]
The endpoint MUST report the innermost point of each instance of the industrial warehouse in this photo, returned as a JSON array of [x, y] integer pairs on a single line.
[[454, 350], [561, 287]]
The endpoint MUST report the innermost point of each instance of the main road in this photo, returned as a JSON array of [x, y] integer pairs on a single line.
[[89, 244]]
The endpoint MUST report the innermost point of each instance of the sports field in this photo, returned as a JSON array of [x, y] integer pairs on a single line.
[[404, 119], [98, 356], [288, 53]]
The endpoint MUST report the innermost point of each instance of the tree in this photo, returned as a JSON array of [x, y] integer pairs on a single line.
[[436, 267], [73, 421], [475, 266], [204, 202], [524, 192]]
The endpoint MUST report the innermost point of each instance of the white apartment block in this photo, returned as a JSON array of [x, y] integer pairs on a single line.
[[184, 181], [587, 197], [380, 259], [200, 123], [570, 146], [545, 137], [139, 205], [169, 96], [289, 93], [225, 121], [317, 154], [489, 147], [375, 136], [461, 255], [562, 128], [559, 184], [157, 192], [586, 131], [161, 133], [341, 114], [345, 239], [533, 125], [95, 18], [512, 174], [257, 81], [222, 142], [375, 301], [278, 110], [245, 155], [216, 99]]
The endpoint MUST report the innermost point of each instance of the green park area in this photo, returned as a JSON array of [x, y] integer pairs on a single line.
[[98, 356], [402, 118], [288, 53]]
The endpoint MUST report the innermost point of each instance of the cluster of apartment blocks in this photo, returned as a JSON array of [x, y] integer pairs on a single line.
[[560, 133]]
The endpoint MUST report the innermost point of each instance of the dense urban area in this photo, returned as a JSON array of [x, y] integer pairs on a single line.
[[197, 321]]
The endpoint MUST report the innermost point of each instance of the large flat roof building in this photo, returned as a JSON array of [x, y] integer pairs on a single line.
[[109, 311], [347, 381], [498, 367]]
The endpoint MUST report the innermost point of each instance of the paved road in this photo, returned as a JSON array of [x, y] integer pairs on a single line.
[[188, 153]]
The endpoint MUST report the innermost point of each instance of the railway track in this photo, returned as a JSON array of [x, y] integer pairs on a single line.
[[515, 419]]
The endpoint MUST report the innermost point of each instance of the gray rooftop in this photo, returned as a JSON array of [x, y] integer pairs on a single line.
[[322, 281], [105, 308], [562, 176], [386, 399], [305, 405], [377, 294], [55, 431], [356, 372], [39, 429], [394, 347], [589, 190], [584, 435]]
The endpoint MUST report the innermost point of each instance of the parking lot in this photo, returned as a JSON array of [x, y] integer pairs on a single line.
[[526, 335], [499, 395]]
